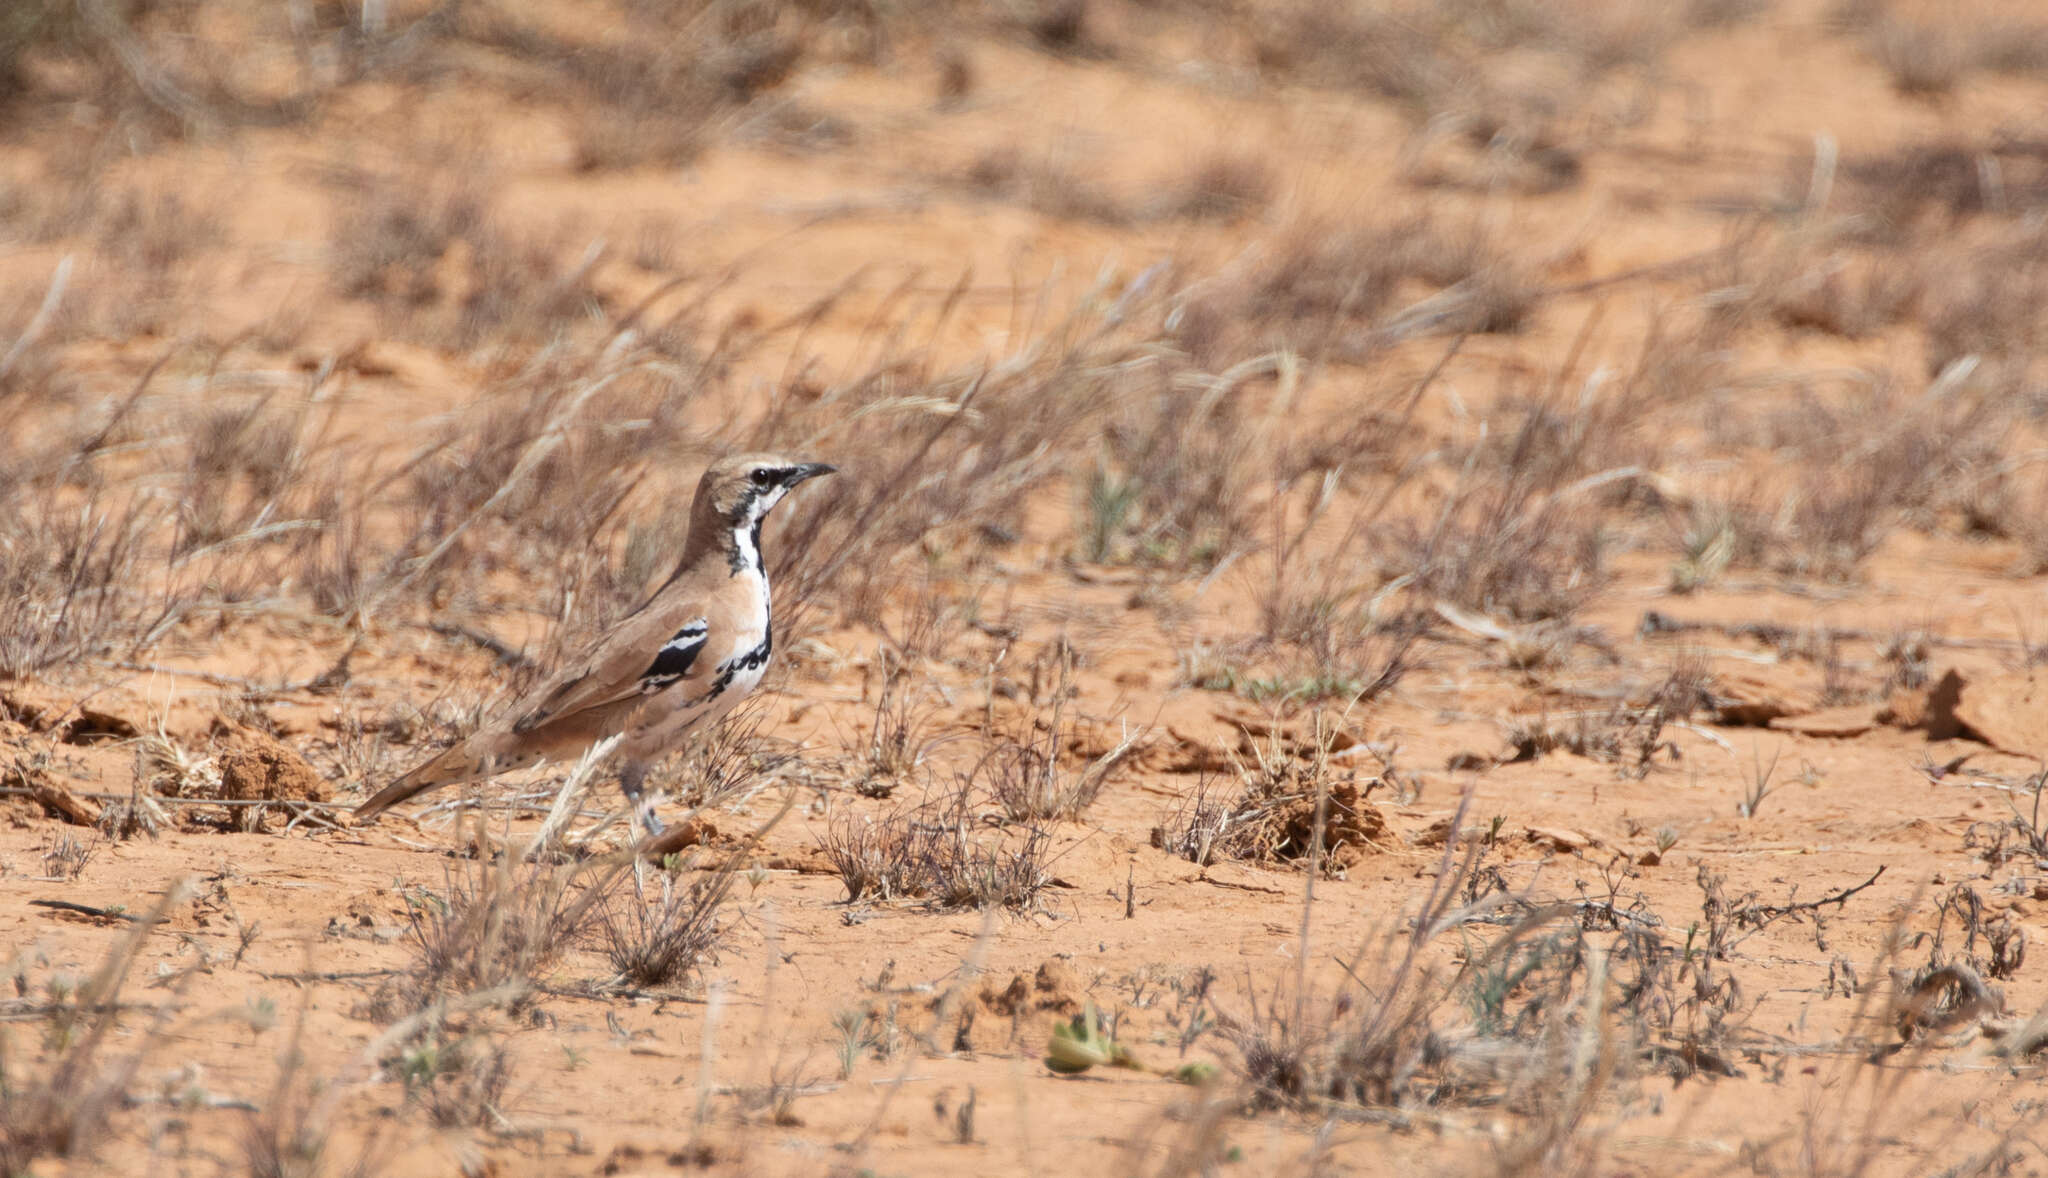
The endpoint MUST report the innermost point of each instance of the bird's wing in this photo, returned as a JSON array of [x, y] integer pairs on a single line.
[[647, 654]]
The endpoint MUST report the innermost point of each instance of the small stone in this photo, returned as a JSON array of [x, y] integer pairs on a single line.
[[1835, 723], [1560, 839]]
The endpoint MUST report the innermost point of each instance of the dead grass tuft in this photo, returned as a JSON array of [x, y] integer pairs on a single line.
[[937, 854], [1290, 802], [1044, 183], [1928, 56], [426, 246], [1932, 186], [458, 1076], [1566, 1008], [659, 940], [70, 560], [1631, 735], [1320, 286], [1223, 187], [1395, 1039], [496, 924], [1022, 772], [1923, 58]]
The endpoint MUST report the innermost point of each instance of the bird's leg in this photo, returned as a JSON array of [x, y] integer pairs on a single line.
[[631, 775]]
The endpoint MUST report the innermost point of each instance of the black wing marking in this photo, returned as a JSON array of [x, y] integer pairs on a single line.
[[673, 660]]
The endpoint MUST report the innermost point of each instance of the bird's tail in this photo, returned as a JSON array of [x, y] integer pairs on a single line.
[[465, 761]]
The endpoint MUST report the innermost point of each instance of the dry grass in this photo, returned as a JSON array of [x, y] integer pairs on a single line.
[[1536, 1033], [878, 860], [499, 924], [897, 740], [1631, 736], [1287, 801], [1270, 425], [1021, 770], [1331, 288], [945, 461], [74, 546], [1945, 181], [1556, 1017], [658, 940], [291, 1134], [459, 1078], [936, 855], [64, 1104], [1224, 187], [1928, 56]]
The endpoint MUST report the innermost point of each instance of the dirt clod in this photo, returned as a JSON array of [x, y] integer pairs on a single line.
[[255, 766], [2009, 713], [1352, 826], [1053, 988], [695, 833], [56, 800], [1557, 838], [92, 724], [1753, 700], [1931, 709]]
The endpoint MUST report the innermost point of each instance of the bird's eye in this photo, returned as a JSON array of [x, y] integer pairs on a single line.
[[762, 477]]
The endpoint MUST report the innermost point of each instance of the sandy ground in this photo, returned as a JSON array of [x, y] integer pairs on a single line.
[[888, 1037]]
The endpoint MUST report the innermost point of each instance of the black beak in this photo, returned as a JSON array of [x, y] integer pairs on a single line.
[[807, 470]]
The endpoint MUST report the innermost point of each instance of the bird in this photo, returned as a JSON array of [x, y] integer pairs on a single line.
[[697, 646]]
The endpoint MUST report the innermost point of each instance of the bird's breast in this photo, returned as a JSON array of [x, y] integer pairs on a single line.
[[741, 670], [748, 645]]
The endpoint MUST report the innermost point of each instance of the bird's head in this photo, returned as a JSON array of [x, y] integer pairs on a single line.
[[741, 489]]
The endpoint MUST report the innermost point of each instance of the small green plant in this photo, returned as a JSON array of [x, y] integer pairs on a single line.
[[1110, 504], [260, 1013], [859, 1033], [1080, 1044], [1198, 1074], [1760, 786], [459, 1082]]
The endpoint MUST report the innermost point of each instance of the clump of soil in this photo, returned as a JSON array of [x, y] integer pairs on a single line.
[[1052, 988], [1352, 826], [1001, 1013], [1275, 821], [256, 766]]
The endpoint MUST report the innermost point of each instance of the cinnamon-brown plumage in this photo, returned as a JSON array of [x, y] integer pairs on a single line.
[[695, 648]]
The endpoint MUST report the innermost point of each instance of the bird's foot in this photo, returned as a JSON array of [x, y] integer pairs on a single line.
[[647, 819]]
